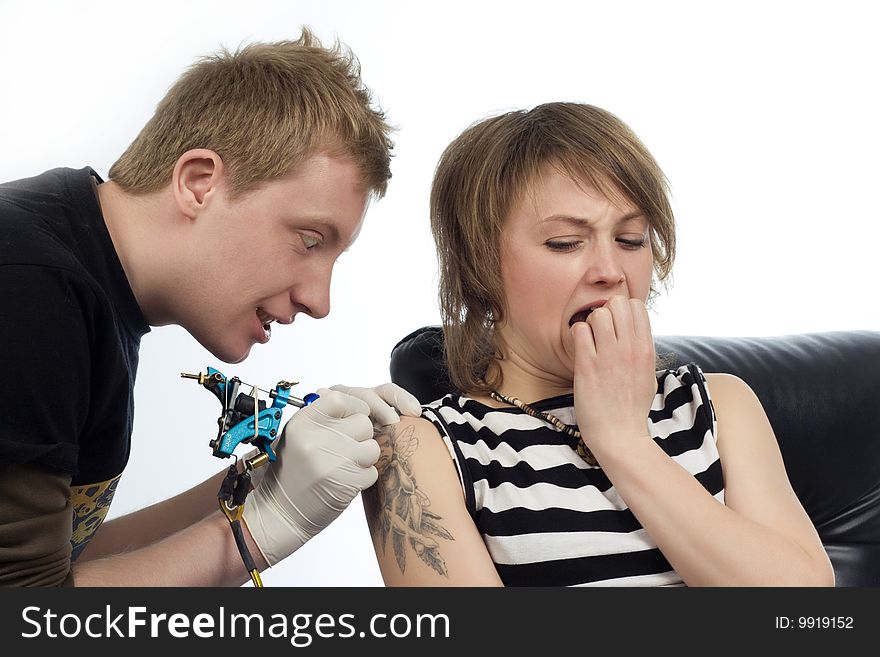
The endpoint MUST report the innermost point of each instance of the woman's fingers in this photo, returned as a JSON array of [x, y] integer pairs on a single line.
[[601, 323]]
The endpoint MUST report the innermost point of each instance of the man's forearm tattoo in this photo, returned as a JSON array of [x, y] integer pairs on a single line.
[[397, 508]]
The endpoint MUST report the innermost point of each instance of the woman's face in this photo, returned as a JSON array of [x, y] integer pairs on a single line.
[[565, 247]]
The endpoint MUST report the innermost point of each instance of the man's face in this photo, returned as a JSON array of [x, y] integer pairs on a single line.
[[268, 255]]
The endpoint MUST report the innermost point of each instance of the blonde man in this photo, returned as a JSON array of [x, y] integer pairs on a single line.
[[225, 214]]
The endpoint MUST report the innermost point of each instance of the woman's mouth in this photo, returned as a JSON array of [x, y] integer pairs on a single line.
[[581, 315]]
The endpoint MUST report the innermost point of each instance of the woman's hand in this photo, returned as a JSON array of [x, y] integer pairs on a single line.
[[614, 373]]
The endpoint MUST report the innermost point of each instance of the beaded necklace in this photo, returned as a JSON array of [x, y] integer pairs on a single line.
[[582, 450]]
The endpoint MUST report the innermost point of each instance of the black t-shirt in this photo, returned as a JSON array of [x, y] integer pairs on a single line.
[[70, 329]]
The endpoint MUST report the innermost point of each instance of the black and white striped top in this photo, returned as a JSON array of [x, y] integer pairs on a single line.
[[548, 518]]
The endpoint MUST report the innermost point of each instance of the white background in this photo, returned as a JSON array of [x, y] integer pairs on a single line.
[[762, 114]]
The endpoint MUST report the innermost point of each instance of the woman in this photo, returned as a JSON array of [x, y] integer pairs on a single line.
[[570, 458]]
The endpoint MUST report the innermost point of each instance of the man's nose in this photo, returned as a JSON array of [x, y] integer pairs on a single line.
[[313, 297]]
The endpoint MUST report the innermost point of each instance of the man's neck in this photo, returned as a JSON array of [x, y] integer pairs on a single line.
[[135, 225]]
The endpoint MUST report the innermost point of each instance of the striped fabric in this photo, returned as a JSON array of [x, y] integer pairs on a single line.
[[548, 518]]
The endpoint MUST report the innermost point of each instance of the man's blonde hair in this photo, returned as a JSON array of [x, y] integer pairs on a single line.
[[487, 169], [264, 109]]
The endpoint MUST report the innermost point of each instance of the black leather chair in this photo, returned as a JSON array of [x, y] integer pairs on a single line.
[[821, 392]]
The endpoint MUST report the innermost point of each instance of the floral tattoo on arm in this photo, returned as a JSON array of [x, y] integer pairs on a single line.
[[397, 508]]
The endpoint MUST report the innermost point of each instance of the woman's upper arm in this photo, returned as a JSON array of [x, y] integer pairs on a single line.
[[421, 530], [755, 481]]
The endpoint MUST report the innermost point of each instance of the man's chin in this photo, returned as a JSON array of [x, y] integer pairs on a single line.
[[228, 355]]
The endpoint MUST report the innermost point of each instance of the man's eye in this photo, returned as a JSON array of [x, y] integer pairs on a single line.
[[310, 241]]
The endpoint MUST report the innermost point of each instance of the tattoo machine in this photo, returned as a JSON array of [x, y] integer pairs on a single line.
[[245, 418]]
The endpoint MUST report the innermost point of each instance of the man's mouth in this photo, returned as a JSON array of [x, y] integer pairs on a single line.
[[265, 319]]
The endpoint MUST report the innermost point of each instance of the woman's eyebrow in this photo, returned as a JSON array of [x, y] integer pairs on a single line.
[[584, 222]]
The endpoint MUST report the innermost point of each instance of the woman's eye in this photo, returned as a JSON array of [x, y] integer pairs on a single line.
[[632, 244], [562, 245]]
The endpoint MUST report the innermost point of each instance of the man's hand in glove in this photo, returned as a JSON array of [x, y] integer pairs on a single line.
[[325, 458]]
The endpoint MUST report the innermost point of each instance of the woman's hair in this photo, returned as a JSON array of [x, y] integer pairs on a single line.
[[264, 109], [479, 178]]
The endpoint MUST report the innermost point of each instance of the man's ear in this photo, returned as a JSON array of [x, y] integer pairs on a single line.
[[197, 177]]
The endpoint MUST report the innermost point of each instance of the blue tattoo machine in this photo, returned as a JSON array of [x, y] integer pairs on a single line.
[[245, 418]]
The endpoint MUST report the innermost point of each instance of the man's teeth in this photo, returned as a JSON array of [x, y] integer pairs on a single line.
[[265, 318]]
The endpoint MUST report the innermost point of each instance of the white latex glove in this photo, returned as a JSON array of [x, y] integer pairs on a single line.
[[383, 400], [325, 458]]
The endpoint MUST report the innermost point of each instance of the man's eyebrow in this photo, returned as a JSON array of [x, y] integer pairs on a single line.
[[327, 229], [585, 223]]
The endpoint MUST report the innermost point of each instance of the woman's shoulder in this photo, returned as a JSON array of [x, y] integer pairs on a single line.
[[456, 404], [460, 417], [683, 386], [714, 383], [685, 375], [692, 372], [713, 389], [408, 424], [728, 389], [402, 439]]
